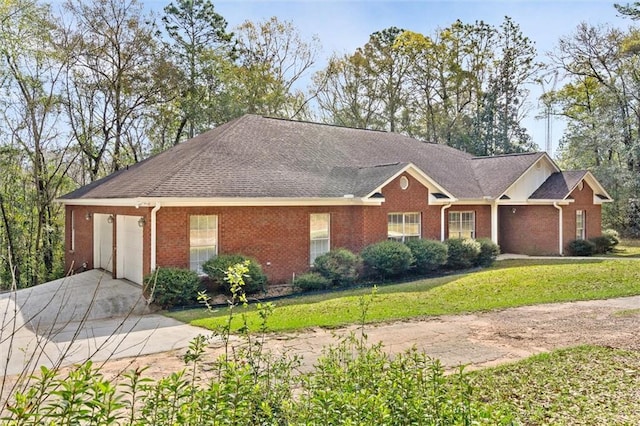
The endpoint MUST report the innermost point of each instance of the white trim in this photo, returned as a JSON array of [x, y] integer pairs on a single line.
[[154, 233], [532, 166], [418, 175], [222, 202], [560, 230], [494, 222]]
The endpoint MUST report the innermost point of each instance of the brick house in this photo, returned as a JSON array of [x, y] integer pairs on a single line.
[[287, 191]]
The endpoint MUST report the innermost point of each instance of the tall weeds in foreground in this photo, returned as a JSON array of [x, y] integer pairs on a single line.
[[353, 382]]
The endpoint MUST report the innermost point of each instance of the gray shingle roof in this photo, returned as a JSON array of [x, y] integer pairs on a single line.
[[255, 156], [558, 186]]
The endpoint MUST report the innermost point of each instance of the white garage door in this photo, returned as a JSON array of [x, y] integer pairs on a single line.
[[102, 242], [129, 248]]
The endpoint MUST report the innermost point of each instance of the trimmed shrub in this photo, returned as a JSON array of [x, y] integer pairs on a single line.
[[340, 266], [489, 251], [216, 267], [311, 281], [387, 259], [581, 248], [429, 255], [171, 287], [606, 242], [462, 253]]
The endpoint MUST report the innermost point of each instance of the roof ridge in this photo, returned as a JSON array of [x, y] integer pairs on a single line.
[[338, 126], [513, 154]]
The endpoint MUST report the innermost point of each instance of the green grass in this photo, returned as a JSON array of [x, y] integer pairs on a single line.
[[626, 248], [509, 284], [587, 385]]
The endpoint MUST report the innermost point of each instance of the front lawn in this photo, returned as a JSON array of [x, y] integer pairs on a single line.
[[587, 385], [626, 248], [510, 283]]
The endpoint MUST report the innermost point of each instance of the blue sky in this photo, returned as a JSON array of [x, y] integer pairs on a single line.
[[343, 25]]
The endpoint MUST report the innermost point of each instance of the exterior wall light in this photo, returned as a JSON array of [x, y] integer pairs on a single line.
[[141, 222], [513, 210], [87, 216], [110, 219]]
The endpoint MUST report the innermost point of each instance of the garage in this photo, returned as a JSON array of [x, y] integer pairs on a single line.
[[103, 241], [129, 248]]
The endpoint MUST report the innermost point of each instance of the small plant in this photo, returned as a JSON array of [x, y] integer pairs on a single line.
[[340, 266], [216, 268], [581, 248], [489, 252], [429, 255], [462, 253], [168, 287], [606, 242], [311, 281], [387, 259]]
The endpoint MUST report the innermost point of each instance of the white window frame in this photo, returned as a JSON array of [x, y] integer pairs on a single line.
[[581, 225], [319, 238], [203, 247], [398, 229], [456, 224]]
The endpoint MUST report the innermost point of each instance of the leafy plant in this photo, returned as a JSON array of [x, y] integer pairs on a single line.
[[429, 255], [489, 252], [581, 247], [311, 281], [462, 253], [606, 242], [340, 266], [253, 281], [168, 287], [387, 259]]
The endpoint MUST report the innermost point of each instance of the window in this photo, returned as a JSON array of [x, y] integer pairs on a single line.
[[462, 224], [203, 240], [403, 226], [319, 224], [581, 217]]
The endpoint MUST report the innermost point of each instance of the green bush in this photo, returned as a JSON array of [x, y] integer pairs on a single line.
[[340, 266], [581, 248], [311, 281], [429, 255], [387, 259], [462, 253], [173, 287], [216, 267], [606, 242], [489, 252]]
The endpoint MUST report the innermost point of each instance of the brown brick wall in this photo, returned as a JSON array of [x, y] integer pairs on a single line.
[[583, 201], [529, 230]]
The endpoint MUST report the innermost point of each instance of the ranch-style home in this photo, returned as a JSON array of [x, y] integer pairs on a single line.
[[287, 191]]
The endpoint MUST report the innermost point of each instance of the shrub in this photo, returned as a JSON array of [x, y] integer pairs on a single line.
[[216, 267], [581, 247], [606, 242], [429, 255], [489, 251], [173, 287], [339, 266], [462, 253], [311, 281], [387, 258]]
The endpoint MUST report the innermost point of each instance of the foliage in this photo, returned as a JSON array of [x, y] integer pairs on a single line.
[[429, 255], [581, 247], [462, 252], [510, 283], [489, 252], [340, 266], [216, 268], [386, 259], [585, 385], [169, 287], [312, 281]]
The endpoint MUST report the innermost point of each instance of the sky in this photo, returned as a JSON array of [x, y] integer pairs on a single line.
[[344, 25]]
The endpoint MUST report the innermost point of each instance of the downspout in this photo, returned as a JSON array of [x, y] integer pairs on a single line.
[[154, 234], [560, 242], [442, 227], [494, 222]]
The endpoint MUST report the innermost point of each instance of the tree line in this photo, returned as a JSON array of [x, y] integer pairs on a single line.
[[95, 86]]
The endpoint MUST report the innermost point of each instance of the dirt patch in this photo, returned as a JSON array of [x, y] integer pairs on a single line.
[[474, 340]]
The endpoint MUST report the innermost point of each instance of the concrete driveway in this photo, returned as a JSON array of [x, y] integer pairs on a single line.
[[86, 316]]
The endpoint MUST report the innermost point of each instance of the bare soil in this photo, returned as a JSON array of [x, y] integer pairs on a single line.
[[474, 340]]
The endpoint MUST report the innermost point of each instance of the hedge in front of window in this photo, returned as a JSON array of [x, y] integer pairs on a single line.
[[340, 266], [462, 253], [489, 252], [387, 259], [216, 267], [429, 255], [581, 247], [169, 287]]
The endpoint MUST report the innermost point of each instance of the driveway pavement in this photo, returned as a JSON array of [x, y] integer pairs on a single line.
[[85, 316]]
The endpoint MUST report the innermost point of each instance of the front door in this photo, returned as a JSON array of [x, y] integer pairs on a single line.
[[103, 241], [129, 248]]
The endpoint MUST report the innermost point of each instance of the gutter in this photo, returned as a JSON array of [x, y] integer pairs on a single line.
[[560, 231], [154, 234], [442, 227]]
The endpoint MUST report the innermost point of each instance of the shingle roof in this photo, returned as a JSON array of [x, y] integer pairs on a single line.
[[255, 156], [559, 185]]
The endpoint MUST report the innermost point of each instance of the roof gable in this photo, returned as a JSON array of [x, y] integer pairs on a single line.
[[561, 184]]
